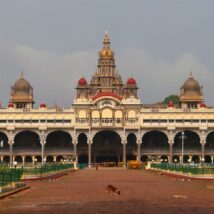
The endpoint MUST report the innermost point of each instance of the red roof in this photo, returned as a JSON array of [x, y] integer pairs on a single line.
[[82, 81], [107, 94], [131, 81]]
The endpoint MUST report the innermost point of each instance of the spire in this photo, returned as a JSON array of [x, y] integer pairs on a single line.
[[106, 41], [22, 74], [191, 73]]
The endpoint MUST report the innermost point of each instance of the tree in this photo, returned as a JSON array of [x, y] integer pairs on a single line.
[[174, 98]]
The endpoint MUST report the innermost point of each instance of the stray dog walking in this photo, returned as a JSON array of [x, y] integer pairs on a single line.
[[111, 189]]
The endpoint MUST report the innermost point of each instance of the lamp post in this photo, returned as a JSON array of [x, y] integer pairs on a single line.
[[182, 146]]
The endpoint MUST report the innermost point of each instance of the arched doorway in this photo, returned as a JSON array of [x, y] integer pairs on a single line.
[[49, 159], [131, 147], [207, 159], [4, 145], [191, 144], [155, 143], [6, 159], [82, 149], [175, 159], [107, 147], [18, 159], [26, 142], [59, 143], [144, 158], [209, 146], [59, 158]]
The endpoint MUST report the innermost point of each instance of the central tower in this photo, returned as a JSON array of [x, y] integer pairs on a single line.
[[106, 78]]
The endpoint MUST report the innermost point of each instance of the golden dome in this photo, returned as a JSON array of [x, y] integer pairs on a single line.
[[106, 52], [22, 85]]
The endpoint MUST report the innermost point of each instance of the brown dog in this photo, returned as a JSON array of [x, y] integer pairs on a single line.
[[111, 189]]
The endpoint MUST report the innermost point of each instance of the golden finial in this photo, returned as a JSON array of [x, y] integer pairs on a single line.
[[191, 73]]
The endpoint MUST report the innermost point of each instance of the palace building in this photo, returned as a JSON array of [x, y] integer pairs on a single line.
[[107, 122]]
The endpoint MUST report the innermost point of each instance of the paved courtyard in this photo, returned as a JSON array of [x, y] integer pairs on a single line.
[[85, 192]]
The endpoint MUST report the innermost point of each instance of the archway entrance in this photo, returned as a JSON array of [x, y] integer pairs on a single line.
[[107, 148], [131, 147], [155, 143], [191, 144]]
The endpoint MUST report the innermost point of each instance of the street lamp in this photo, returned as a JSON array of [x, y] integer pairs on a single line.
[[182, 146]]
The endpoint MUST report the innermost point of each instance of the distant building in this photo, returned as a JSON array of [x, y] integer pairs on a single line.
[[107, 122]]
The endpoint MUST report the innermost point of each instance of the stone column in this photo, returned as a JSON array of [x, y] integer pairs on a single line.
[[212, 159], [124, 152], [89, 153], [11, 153], [23, 160], [170, 152], [171, 136], [42, 142], [138, 152], [202, 151], [43, 152], [75, 150]]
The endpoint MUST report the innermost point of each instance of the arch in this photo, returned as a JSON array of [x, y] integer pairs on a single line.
[[28, 159], [18, 159], [207, 159], [95, 114], [144, 158], [82, 148], [107, 113], [186, 159], [131, 114], [59, 158], [49, 159], [38, 159], [155, 142], [131, 147], [82, 114], [4, 144], [118, 114], [6, 159], [26, 140], [59, 142], [191, 143], [164, 158], [107, 146], [195, 159], [209, 145], [175, 159]]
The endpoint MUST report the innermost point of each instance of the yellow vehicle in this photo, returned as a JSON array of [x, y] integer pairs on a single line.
[[134, 164]]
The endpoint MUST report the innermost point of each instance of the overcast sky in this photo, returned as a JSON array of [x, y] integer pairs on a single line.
[[55, 42]]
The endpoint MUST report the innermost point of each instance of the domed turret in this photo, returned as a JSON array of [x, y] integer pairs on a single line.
[[131, 81], [191, 86], [22, 94], [22, 85], [191, 93], [82, 81], [170, 104]]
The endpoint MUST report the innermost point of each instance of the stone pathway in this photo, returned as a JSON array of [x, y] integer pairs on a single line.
[[85, 192]]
